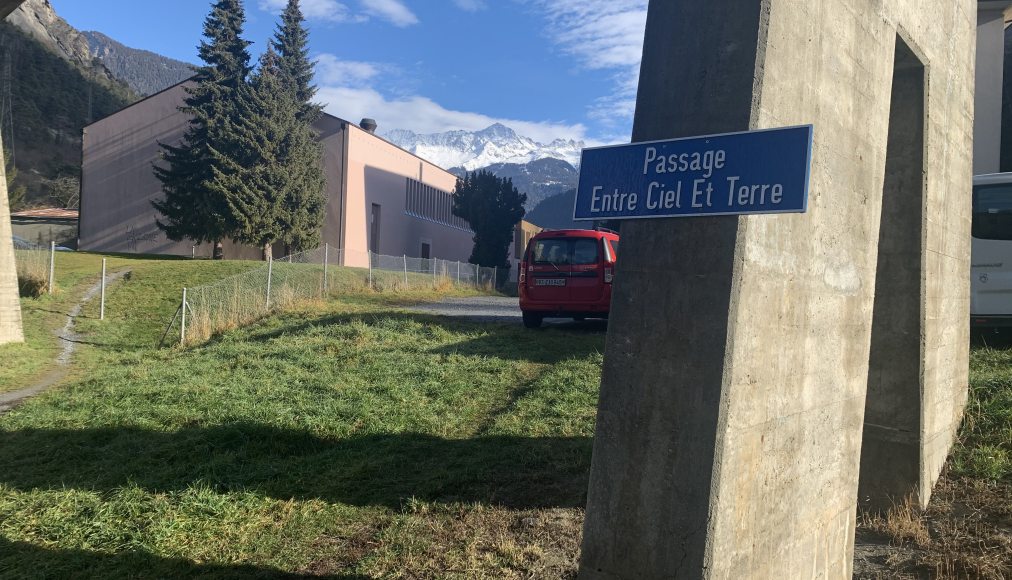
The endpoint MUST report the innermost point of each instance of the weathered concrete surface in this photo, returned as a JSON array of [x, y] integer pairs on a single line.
[[10, 302], [732, 406], [890, 448]]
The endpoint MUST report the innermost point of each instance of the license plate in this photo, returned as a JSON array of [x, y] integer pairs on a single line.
[[550, 282]]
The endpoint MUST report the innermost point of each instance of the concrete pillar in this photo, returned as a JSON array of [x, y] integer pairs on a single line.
[[732, 405], [657, 423], [10, 303], [890, 449]]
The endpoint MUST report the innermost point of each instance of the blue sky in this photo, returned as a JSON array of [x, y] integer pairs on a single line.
[[548, 68]]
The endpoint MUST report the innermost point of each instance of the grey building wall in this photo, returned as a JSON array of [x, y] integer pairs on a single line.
[[118, 183], [732, 413], [989, 82]]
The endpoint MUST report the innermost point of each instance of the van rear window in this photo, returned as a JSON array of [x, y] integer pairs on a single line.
[[551, 251], [992, 212], [584, 251], [565, 251]]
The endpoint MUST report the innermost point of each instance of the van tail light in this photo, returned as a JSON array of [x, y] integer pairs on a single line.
[[609, 275], [523, 272]]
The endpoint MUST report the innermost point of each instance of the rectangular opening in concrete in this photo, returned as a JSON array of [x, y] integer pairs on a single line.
[[890, 452]]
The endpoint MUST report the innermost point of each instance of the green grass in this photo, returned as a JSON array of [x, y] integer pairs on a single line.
[[347, 439], [985, 448], [139, 308], [43, 317], [134, 310]]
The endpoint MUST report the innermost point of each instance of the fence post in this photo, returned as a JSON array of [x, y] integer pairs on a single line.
[[495, 276], [270, 274], [101, 310], [434, 263], [182, 324], [405, 269], [326, 260], [52, 265], [458, 272], [369, 256]]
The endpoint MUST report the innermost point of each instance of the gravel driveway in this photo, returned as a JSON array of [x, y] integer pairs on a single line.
[[497, 309], [475, 308]]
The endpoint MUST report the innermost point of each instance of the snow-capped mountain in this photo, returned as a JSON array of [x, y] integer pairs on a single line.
[[476, 150]]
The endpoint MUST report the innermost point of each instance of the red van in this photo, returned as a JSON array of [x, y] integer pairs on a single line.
[[567, 274]]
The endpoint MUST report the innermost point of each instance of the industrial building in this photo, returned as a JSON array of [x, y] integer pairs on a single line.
[[43, 226], [381, 198]]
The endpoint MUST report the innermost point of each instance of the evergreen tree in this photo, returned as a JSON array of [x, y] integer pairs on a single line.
[[193, 206], [493, 207], [305, 200], [272, 183], [291, 42]]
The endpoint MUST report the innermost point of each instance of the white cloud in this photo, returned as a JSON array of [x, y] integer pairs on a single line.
[[392, 10], [327, 10], [471, 5], [423, 115], [601, 35], [332, 71]]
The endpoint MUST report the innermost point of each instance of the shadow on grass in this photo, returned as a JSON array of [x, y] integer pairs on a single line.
[[550, 346], [22, 560], [385, 469]]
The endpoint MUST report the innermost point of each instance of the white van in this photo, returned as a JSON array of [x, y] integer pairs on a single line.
[[991, 251]]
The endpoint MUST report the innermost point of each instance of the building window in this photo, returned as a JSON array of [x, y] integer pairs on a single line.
[[426, 250], [435, 205], [374, 229]]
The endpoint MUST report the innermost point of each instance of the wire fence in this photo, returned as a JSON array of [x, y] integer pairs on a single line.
[[283, 283]]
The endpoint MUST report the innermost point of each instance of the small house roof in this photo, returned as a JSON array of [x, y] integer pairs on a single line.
[[48, 213]]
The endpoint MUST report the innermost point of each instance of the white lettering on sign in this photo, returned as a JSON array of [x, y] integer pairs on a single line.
[[756, 194], [667, 194], [707, 161], [659, 196], [615, 201]]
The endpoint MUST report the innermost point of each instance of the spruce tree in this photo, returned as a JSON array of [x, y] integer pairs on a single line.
[[272, 191], [248, 171], [305, 201], [492, 206], [291, 42], [193, 207]]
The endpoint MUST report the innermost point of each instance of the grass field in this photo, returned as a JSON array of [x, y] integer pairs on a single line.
[[345, 439], [157, 285], [966, 532], [353, 439]]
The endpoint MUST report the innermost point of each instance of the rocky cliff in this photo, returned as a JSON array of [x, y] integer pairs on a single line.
[[38, 19]]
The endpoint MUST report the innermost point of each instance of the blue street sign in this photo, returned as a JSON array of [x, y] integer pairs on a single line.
[[756, 172]]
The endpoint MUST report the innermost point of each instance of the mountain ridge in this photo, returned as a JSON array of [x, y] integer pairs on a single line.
[[56, 88], [473, 150], [143, 71], [39, 20]]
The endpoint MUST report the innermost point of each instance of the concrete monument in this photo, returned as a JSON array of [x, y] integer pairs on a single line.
[[10, 304], [734, 430]]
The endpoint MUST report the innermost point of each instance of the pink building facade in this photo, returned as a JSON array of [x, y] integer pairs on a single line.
[[380, 198]]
